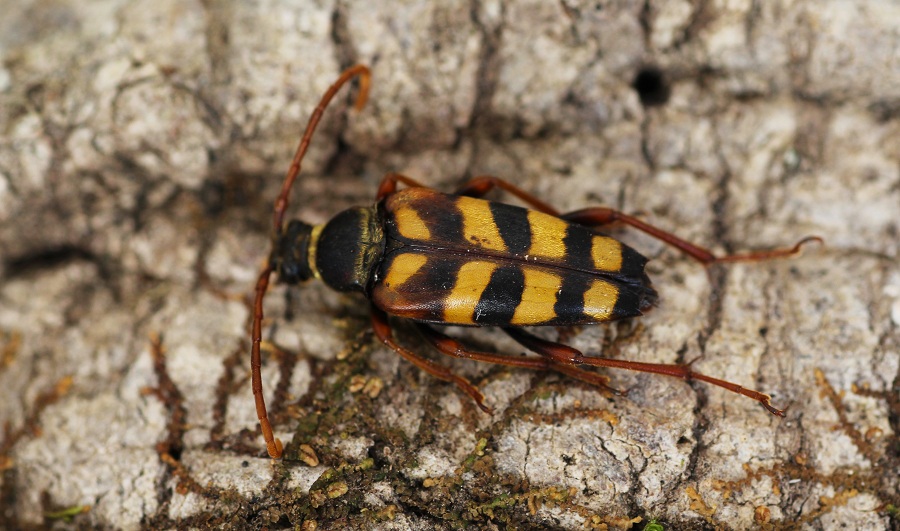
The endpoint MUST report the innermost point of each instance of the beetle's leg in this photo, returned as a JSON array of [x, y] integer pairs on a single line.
[[389, 184], [478, 186], [451, 347], [568, 355], [383, 332], [475, 187], [598, 216]]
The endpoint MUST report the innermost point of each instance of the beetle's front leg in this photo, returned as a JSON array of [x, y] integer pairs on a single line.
[[389, 184], [483, 184], [383, 331]]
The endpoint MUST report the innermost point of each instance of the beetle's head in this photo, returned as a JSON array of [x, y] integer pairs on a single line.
[[290, 255]]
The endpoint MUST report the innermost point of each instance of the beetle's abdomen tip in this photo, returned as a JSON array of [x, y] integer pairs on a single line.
[[649, 297]]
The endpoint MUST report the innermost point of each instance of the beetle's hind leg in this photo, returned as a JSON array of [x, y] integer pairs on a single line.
[[383, 331], [599, 216], [451, 347], [564, 354]]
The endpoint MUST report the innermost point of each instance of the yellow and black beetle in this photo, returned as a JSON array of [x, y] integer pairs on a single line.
[[456, 259]]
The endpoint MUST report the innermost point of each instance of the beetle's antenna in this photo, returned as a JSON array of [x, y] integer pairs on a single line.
[[365, 76], [274, 445]]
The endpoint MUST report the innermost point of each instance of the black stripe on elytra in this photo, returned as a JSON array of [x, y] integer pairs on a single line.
[[442, 215], [512, 223], [569, 307], [501, 297], [633, 263], [436, 279], [579, 241], [428, 288]]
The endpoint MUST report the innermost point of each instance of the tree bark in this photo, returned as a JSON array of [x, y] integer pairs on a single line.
[[144, 143]]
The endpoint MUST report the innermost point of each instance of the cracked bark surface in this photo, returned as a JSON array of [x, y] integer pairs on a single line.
[[143, 143]]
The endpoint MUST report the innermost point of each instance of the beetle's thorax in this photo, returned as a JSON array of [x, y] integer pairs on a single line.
[[343, 252]]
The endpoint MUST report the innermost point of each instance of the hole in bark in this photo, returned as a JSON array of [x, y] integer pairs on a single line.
[[652, 87]]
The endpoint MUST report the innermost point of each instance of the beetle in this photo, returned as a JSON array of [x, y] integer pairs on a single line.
[[457, 259]]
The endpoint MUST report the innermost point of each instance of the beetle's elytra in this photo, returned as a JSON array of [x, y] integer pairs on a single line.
[[457, 259]]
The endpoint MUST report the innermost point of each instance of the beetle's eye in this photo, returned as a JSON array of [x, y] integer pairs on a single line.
[[290, 273]]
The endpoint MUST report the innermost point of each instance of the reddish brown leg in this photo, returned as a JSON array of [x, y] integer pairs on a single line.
[[483, 184], [598, 216], [389, 184], [273, 445], [383, 332], [451, 347], [476, 187], [567, 355]]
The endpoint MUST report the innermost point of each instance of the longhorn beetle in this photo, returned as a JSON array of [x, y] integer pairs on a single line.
[[456, 259]]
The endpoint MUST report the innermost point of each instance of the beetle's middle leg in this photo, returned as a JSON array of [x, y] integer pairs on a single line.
[[451, 347], [383, 331], [571, 356]]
